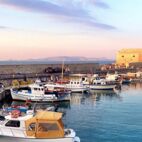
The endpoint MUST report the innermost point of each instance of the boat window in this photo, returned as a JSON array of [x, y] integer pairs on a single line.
[[71, 82], [47, 127], [77, 82], [35, 88], [32, 127], [13, 123], [103, 83], [24, 88]]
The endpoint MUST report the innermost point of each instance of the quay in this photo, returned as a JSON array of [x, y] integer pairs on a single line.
[[8, 73]]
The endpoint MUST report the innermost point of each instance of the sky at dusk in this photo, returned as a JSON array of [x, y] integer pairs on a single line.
[[31, 29]]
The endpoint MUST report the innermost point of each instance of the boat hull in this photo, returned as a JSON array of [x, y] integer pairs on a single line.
[[78, 90], [24, 97], [37, 98], [14, 139], [102, 87]]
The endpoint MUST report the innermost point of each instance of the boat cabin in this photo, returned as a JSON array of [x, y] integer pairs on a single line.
[[14, 126], [36, 89], [54, 87], [32, 89], [75, 83], [44, 124]]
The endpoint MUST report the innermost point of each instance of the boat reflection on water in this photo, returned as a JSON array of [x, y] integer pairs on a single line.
[[102, 94], [135, 85], [55, 106], [93, 96], [76, 99]]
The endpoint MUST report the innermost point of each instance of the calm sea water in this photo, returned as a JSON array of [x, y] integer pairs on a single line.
[[106, 116]]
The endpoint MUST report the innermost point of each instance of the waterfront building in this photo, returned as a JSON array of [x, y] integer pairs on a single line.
[[126, 56]]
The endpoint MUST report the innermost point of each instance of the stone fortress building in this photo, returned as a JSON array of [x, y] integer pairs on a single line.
[[126, 56]]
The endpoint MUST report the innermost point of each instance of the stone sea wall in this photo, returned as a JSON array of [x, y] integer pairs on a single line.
[[39, 68]]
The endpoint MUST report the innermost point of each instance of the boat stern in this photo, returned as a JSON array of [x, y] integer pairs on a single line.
[[72, 134], [76, 139]]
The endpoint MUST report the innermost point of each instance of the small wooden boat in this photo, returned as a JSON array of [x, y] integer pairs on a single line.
[[44, 126]]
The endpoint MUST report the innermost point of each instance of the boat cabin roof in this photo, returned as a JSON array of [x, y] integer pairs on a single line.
[[20, 118], [48, 115], [54, 85], [45, 124], [36, 86]]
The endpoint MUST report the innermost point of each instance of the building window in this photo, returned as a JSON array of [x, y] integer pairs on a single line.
[[122, 56], [13, 123], [133, 56]]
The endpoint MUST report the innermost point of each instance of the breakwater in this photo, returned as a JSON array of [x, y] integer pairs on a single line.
[[39, 68], [33, 71], [8, 73]]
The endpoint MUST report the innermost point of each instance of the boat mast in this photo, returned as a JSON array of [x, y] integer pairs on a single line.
[[62, 75]]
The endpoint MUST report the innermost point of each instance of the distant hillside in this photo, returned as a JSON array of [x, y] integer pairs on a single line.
[[58, 60]]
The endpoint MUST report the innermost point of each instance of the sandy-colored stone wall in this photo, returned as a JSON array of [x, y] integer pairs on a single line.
[[127, 56]]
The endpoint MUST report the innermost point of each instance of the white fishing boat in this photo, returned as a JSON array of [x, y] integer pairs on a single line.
[[102, 84], [33, 92], [76, 86], [44, 126]]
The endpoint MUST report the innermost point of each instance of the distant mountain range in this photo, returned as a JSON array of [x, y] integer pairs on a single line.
[[58, 60]]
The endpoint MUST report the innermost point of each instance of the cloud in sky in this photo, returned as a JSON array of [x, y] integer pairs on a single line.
[[100, 4], [4, 27], [74, 11]]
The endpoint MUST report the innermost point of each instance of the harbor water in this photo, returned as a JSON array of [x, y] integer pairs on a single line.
[[105, 116]]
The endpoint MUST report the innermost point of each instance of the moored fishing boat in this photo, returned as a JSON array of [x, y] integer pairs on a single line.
[[44, 126], [36, 92], [102, 84], [33, 92], [76, 86]]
